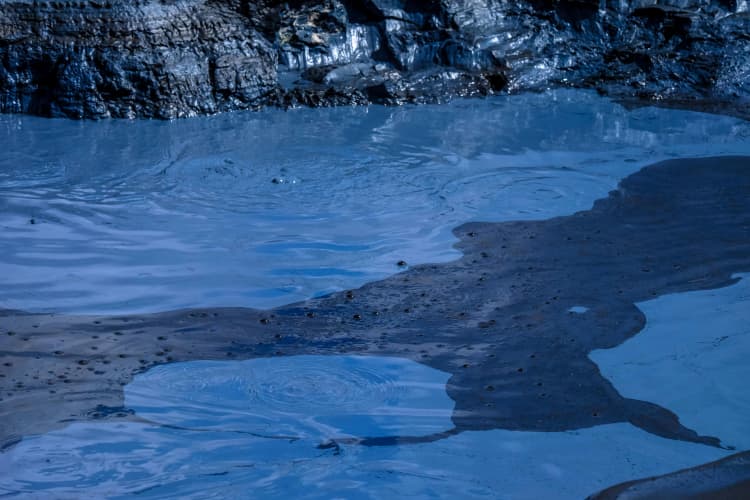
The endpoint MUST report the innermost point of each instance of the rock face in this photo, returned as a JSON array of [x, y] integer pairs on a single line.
[[174, 58], [139, 59]]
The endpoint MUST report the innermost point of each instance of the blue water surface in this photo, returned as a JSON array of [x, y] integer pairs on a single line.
[[192, 444], [262, 209], [317, 398]]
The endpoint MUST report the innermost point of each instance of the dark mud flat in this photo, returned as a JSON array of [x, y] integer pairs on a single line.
[[499, 319]]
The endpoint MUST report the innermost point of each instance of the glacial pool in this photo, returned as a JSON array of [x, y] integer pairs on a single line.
[[260, 210]]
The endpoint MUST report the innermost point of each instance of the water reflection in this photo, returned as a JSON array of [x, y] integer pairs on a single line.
[[261, 209]]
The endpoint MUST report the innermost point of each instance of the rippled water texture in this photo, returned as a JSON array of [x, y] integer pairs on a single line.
[[252, 429], [205, 425], [298, 397], [261, 209]]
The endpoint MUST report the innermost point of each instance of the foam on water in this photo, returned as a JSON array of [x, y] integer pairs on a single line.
[[262, 209]]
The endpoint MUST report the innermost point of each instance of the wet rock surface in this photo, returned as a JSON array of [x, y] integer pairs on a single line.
[[726, 479], [512, 321], [145, 58], [140, 59]]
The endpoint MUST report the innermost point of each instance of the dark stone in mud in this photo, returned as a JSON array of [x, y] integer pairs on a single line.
[[725, 479], [147, 58], [498, 319]]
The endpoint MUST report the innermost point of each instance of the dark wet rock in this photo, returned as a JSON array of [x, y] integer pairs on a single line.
[[518, 359], [725, 479], [147, 58], [131, 59]]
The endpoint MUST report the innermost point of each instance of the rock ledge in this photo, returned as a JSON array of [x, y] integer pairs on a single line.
[[177, 58]]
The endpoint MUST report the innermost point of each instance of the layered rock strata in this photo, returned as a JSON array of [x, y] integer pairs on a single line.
[[168, 59]]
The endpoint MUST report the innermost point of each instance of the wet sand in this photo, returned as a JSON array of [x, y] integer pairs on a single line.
[[499, 319]]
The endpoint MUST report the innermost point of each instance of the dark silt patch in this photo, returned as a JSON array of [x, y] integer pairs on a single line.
[[513, 320], [726, 479]]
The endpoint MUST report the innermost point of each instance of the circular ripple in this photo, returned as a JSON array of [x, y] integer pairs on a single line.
[[326, 390], [318, 397]]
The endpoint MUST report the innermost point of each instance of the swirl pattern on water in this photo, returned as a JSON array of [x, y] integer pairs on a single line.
[[136, 460], [299, 397], [262, 209]]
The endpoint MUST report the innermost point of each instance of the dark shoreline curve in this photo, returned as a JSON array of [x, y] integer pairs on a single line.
[[725, 479], [497, 319]]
